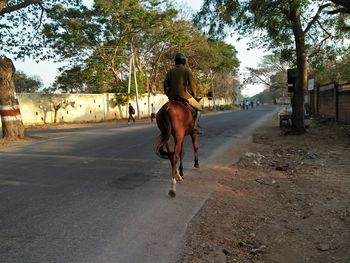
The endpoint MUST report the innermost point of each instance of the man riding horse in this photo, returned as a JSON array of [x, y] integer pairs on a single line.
[[179, 84]]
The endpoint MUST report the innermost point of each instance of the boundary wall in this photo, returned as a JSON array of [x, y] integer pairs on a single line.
[[331, 101], [38, 108]]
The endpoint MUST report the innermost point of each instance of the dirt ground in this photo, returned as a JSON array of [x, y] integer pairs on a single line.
[[286, 200]]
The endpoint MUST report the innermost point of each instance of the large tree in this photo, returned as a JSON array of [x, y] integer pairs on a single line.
[[333, 71], [298, 28], [20, 23], [217, 67], [272, 73], [103, 38], [25, 83]]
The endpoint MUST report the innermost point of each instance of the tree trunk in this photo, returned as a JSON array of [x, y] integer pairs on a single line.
[[301, 82], [55, 115], [12, 125]]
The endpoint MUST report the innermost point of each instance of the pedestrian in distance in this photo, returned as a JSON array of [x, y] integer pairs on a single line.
[[131, 113], [153, 112]]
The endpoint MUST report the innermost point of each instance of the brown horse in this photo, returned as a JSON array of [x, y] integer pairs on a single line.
[[175, 119]]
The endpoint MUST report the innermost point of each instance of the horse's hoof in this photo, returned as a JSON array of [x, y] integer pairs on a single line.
[[179, 178], [172, 193], [196, 165]]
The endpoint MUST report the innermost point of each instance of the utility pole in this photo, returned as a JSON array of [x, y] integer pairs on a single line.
[[213, 90], [136, 87], [132, 69]]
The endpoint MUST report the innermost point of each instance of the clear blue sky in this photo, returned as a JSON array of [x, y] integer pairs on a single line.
[[47, 70]]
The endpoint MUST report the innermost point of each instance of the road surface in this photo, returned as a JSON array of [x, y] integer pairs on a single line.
[[99, 194]]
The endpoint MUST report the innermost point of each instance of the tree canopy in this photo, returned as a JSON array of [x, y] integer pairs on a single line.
[[20, 26], [272, 73], [25, 83], [101, 40], [300, 31], [269, 24]]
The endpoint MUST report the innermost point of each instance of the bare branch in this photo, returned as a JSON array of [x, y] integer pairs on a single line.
[[19, 6], [339, 10], [315, 18], [344, 3], [341, 6], [318, 48], [40, 21], [258, 77], [114, 72]]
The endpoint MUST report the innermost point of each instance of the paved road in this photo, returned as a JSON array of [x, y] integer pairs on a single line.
[[99, 194]]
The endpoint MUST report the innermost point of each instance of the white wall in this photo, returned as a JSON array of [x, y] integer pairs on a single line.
[[37, 108]]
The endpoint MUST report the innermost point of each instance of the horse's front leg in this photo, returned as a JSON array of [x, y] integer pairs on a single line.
[[194, 138]]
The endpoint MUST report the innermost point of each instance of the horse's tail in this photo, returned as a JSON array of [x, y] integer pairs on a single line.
[[164, 125]]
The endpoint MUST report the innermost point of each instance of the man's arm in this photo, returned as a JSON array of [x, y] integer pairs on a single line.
[[166, 85], [192, 83]]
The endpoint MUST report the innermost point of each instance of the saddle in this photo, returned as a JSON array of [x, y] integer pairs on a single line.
[[186, 103]]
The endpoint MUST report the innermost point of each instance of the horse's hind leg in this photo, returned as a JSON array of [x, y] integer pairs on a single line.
[[175, 174], [172, 191], [181, 158], [168, 147], [178, 154], [194, 138]]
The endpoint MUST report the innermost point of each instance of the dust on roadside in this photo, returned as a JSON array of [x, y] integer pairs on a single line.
[[286, 200], [8, 143]]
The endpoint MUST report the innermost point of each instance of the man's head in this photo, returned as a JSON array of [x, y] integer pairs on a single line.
[[180, 59]]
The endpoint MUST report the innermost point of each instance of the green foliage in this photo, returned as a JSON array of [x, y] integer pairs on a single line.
[[225, 107], [25, 83], [226, 57], [214, 63], [71, 80], [122, 98], [219, 108], [270, 23], [307, 27], [100, 41], [333, 71], [20, 27]]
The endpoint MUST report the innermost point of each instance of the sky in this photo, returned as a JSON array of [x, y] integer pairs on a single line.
[[48, 70]]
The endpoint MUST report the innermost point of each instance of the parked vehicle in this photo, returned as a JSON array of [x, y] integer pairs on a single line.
[[285, 116]]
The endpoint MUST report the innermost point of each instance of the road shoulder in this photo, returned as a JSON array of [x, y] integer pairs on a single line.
[[285, 200]]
